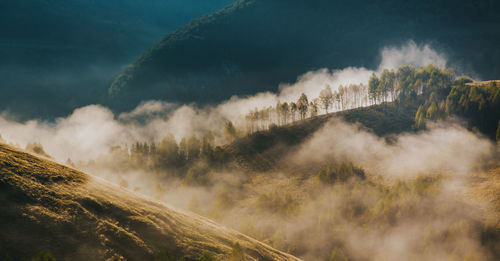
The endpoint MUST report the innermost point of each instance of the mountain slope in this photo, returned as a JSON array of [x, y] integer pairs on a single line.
[[68, 51], [50, 207], [253, 45], [265, 150]]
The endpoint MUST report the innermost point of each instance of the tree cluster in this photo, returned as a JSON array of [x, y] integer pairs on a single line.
[[477, 103], [347, 97], [191, 158], [407, 82]]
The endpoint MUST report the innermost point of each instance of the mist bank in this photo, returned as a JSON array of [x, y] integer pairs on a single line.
[[91, 130], [351, 193]]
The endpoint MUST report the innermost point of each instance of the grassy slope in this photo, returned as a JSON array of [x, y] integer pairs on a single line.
[[50, 207], [263, 150], [486, 188]]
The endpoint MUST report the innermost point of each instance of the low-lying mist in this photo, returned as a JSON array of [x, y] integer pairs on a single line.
[[409, 203], [91, 130]]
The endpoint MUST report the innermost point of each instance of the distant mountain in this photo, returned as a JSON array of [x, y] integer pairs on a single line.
[[52, 208], [56, 55], [253, 45]]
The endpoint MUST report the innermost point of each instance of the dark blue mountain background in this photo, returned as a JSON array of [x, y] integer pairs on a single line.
[[56, 55], [253, 45]]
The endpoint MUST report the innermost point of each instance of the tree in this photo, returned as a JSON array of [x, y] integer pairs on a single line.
[[498, 132], [406, 78], [419, 116], [278, 112], [432, 111], [462, 81], [372, 87], [386, 85], [293, 109], [207, 148], [284, 111], [314, 107], [183, 149], [229, 131], [168, 150], [193, 148], [354, 91], [303, 106], [326, 98]]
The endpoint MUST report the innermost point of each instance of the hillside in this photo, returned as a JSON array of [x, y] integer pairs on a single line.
[[263, 150], [49, 207], [253, 45]]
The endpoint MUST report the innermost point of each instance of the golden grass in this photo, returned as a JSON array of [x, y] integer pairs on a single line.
[[48, 206], [483, 83], [485, 191]]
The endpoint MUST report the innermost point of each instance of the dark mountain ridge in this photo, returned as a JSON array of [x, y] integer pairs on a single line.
[[255, 45], [57, 55]]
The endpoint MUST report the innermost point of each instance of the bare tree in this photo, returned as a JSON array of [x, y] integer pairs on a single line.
[[326, 98], [303, 106], [284, 111], [293, 110], [314, 107]]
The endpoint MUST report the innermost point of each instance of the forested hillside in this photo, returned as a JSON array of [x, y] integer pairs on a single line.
[[254, 45]]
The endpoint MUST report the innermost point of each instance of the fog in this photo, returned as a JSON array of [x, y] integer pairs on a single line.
[[446, 147], [411, 207]]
